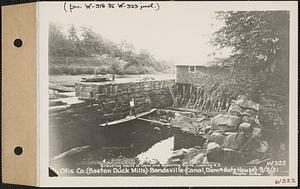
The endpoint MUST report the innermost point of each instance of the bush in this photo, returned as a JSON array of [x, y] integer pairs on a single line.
[[132, 70], [55, 70], [101, 70], [113, 68]]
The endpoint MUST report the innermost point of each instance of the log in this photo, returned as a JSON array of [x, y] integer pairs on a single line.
[[56, 103], [56, 109], [60, 88]]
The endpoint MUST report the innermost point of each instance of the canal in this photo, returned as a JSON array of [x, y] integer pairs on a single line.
[[135, 142]]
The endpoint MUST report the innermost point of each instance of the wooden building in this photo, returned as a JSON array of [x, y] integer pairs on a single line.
[[195, 82]]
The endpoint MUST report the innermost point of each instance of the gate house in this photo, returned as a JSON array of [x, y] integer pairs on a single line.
[[189, 78]]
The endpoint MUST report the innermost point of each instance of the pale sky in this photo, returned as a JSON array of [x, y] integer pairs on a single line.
[[178, 31]]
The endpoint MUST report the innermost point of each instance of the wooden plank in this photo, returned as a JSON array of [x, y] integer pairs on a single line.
[[56, 103], [153, 121], [172, 95], [196, 103], [187, 105], [64, 94], [127, 119], [59, 108], [115, 147], [60, 88], [185, 110], [71, 152]]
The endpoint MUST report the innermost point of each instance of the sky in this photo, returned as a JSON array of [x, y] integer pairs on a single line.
[[177, 32]]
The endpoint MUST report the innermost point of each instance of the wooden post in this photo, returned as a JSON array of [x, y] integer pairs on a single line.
[[183, 93]]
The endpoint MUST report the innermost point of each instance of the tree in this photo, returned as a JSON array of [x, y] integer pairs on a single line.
[[91, 49], [73, 34], [258, 39], [57, 41], [92, 42], [73, 42], [259, 43]]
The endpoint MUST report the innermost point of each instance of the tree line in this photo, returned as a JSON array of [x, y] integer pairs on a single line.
[[83, 51]]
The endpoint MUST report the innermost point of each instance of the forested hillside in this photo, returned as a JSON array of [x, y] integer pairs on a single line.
[[82, 51]]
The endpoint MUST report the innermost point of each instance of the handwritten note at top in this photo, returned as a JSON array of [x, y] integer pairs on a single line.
[[74, 6]]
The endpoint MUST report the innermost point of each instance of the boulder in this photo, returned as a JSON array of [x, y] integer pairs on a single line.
[[233, 157], [188, 155], [191, 151], [250, 113], [205, 161], [214, 152], [217, 138], [152, 162], [225, 122], [244, 103], [235, 110], [256, 132], [248, 119], [235, 141], [212, 147], [264, 147], [174, 161], [244, 127], [250, 145], [198, 159], [179, 154], [243, 97], [198, 147], [258, 150]]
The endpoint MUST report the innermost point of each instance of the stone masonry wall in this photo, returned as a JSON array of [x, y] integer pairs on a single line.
[[112, 99]]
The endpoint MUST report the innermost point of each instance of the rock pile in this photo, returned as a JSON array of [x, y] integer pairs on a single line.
[[234, 137], [188, 156]]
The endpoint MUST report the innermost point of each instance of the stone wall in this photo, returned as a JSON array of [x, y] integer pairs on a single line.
[[112, 99]]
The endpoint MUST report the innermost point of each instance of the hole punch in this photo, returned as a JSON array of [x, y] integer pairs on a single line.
[[18, 150], [18, 43]]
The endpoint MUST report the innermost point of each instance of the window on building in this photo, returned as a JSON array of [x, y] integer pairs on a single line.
[[192, 69]]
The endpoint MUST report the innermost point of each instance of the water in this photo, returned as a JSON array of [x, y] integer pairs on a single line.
[[135, 142], [159, 152]]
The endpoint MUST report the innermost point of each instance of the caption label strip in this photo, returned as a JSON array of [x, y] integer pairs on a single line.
[[270, 168]]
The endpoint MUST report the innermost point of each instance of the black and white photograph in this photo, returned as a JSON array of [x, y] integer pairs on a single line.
[[143, 89]]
